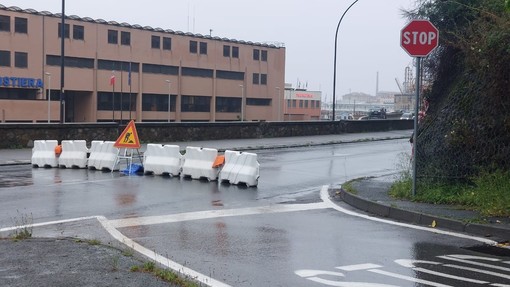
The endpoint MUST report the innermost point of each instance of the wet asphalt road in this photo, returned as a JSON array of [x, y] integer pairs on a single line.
[[282, 233]]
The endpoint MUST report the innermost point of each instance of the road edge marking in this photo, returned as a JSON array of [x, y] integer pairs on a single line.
[[326, 199], [209, 281]]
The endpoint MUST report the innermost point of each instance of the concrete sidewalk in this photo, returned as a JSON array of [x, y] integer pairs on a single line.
[[372, 196]]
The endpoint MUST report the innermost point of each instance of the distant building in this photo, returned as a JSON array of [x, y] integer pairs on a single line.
[[119, 71], [405, 102], [358, 97], [301, 104]]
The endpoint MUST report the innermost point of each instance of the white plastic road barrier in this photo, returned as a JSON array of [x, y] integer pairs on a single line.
[[74, 154], [162, 159], [198, 163], [43, 153], [102, 155], [240, 168]]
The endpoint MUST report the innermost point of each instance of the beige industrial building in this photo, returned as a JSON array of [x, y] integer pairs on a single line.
[[117, 71]]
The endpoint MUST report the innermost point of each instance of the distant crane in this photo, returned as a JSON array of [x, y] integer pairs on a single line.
[[399, 86]]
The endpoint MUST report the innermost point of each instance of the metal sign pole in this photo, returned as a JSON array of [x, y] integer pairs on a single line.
[[416, 109]]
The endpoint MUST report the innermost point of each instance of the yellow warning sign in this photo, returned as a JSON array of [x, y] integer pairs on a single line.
[[129, 137]]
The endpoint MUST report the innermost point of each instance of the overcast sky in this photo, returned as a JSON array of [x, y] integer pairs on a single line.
[[368, 39]]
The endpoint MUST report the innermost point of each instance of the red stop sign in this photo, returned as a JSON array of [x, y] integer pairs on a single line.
[[419, 38]]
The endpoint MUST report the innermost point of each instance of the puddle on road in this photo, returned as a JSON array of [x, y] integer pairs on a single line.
[[16, 176]]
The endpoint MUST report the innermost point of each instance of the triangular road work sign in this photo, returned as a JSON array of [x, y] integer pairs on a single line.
[[129, 137]]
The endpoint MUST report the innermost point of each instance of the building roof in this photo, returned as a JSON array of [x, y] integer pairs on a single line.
[[137, 26]]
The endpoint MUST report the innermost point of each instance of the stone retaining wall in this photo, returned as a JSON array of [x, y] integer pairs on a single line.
[[22, 135]]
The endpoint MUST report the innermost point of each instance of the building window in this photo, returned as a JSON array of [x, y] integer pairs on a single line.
[[228, 105], [256, 54], [75, 62], [5, 23], [193, 47], [196, 104], [155, 42], [226, 51], [167, 43], [66, 30], [197, 72], [306, 104], [235, 52], [256, 78], [78, 32], [125, 38], [158, 102], [160, 69], [318, 104], [229, 75], [113, 37], [263, 56], [106, 100], [21, 25], [5, 58], [293, 103], [258, 102], [117, 65], [20, 60], [203, 48], [300, 103], [263, 79]]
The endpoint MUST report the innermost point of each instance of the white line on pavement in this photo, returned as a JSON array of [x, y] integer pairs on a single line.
[[158, 258], [208, 214], [46, 223], [327, 200]]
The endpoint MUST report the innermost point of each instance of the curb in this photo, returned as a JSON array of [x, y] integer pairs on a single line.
[[15, 162], [496, 233]]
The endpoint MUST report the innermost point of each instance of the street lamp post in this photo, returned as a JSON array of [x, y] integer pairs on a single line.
[[48, 95], [279, 104], [62, 54], [334, 69], [242, 103], [169, 98]]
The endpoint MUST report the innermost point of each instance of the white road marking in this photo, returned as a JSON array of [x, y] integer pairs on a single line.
[[158, 258], [410, 263], [478, 271], [208, 214], [327, 200], [47, 223], [357, 267], [460, 258], [311, 275], [440, 274], [408, 278]]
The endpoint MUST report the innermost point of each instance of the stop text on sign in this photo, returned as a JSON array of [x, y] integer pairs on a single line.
[[415, 38]]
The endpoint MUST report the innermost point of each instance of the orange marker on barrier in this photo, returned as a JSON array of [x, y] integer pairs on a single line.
[[58, 150], [219, 161]]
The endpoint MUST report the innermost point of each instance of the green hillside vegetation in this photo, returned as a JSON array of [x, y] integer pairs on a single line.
[[463, 146]]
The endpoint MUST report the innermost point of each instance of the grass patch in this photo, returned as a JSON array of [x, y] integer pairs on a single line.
[[24, 223], [488, 194], [94, 242], [128, 252], [349, 185], [349, 188], [164, 274]]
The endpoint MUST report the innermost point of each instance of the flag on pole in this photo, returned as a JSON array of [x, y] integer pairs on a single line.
[[112, 80]]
